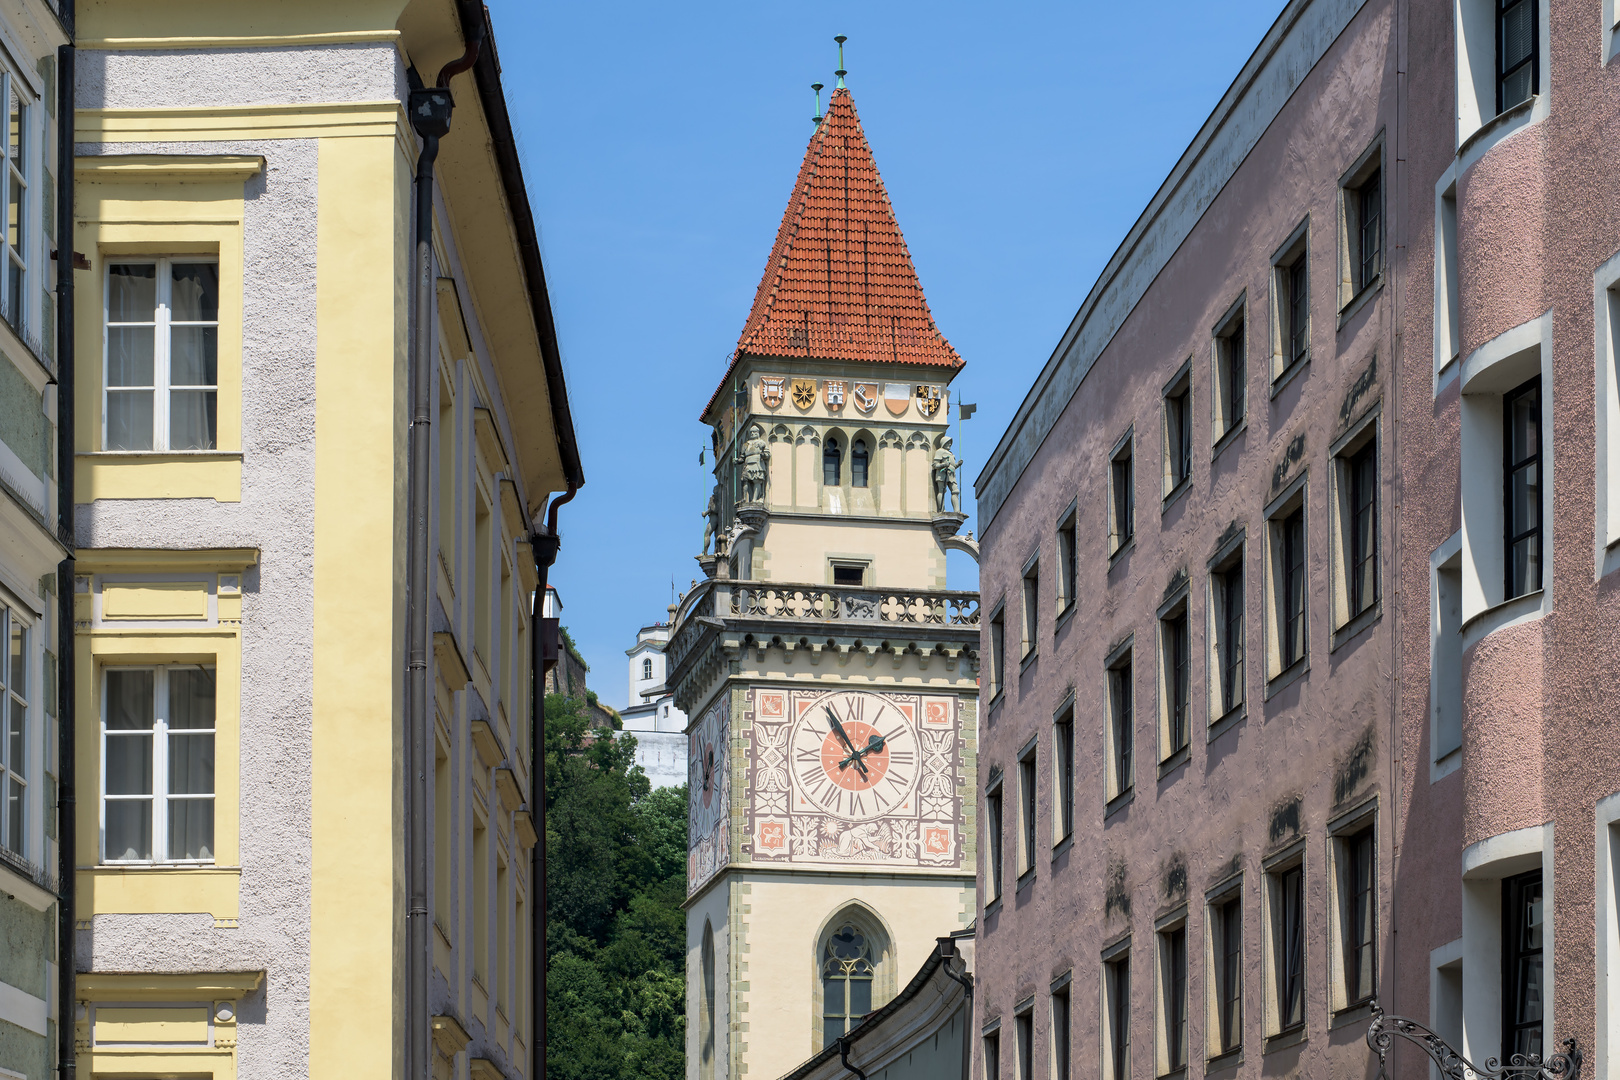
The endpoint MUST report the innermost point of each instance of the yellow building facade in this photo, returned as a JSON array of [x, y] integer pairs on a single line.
[[830, 675], [244, 199]]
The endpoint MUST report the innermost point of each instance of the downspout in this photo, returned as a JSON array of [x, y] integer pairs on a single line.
[[66, 817], [967, 1003], [545, 543], [429, 110], [843, 1056]]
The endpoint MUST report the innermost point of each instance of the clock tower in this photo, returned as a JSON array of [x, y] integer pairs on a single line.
[[829, 673]]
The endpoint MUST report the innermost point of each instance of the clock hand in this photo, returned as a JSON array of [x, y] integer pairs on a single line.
[[874, 745], [838, 730]]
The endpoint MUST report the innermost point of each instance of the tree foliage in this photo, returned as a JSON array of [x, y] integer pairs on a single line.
[[615, 931]]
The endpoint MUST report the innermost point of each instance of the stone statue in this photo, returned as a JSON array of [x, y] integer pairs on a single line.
[[945, 483], [755, 456], [711, 520]]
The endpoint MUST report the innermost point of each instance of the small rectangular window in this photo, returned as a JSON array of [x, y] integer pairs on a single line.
[[1067, 561], [848, 574], [1288, 586], [998, 637], [1061, 1032], [14, 747], [158, 730], [1032, 607], [161, 365], [1121, 728], [1231, 372], [859, 461], [1026, 813], [1063, 775], [480, 891], [1523, 986], [1521, 486], [1226, 924], [992, 1055], [1448, 297], [1178, 433], [1288, 946], [1291, 304], [1361, 547], [1517, 66], [1175, 665], [1173, 997], [1363, 205], [1226, 593], [1356, 914], [1117, 1045], [1446, 683], [1121, 497], [1024, 1031], [992, 828]]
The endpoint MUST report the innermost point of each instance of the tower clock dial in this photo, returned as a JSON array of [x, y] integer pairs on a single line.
[[855, 757]]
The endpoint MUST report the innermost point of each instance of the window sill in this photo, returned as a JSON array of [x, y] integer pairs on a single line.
[[1174, 1074], [994, 704], [1503, 119], [1499, 616], [1062, 847], [1063, 617], [1183, 486], [1356, 625], [1354, 1014], [1229, 437], [1287, 677], [1227, 723], [1025, 880], [1120, 552], [993, 907], [1284, 1039], [1119, 802], [1446, 373], [153, 455], [1175, 761], [1026, 660], [1229, 1060], [15, 884], [1289, 374], [1359, 301]]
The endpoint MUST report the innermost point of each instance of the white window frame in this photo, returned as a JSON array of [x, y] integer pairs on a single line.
[[162, 386], [1229, 557], [1272, 913], [26, 173], [1479, 125], [1174, 922], [1340, 833], [25, 771], [1223, 359], [1447, 293], [1445, 659], [1607, 956], [1606, 341], [1351, 185], [1485, 863], [1215, 901], [1295, 497], [1122, 529], [1284, 365], [1347, 623], [159, 796]]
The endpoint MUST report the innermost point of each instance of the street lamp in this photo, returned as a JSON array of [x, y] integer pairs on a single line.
[[1453, 1066]]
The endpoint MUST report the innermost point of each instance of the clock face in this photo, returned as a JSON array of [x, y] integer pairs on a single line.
[[855, 757]]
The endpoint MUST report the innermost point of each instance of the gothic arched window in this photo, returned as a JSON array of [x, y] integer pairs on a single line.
[[857, 464], [706, 1004], [846, 981], [831, 464], [646, 667]]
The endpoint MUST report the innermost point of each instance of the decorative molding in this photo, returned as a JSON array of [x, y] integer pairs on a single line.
[[224, 560], [168, 168], [452, 668], [487, 745], [167, 986], [449, 1036]]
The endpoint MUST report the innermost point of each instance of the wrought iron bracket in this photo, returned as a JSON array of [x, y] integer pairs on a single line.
[[1382, 1031]]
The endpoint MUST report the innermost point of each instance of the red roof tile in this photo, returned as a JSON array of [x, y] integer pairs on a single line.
[[840, 284]]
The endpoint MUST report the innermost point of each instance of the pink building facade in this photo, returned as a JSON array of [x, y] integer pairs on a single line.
[[1298, 572]]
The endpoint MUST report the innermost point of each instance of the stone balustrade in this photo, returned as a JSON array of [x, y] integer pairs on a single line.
[[853, 603]]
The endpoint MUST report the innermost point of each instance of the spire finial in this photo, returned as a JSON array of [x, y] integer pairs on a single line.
[[816, 119], [841, 38]]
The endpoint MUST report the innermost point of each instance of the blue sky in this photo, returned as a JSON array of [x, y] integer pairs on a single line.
[[1018, 141]]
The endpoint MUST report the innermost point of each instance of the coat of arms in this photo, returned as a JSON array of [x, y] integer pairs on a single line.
[[896, 396], [833, 391], [804, 392], [770, 390], [866, 396], [928, 399]]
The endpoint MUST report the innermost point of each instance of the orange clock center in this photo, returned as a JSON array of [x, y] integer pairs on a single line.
[[849, 777]]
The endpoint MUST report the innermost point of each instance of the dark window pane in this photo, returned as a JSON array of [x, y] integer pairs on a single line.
[[129, 355], [191, 828], [1522, 978], [131, 292], [858, 461], [129, 829], [129, 700], [195, 295], [831, 464], [860, 997], [832, 997]]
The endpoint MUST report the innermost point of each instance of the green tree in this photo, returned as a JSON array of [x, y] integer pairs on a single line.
[[615, 931]]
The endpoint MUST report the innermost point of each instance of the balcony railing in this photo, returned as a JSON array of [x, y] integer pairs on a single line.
[[852, 603]]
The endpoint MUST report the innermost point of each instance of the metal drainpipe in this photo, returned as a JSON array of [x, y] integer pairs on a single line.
[[947, 947], [545, 545], [429, 109], [843, 1056], [66, 818]]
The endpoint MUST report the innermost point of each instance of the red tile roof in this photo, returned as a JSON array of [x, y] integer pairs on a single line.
[[840, 284]]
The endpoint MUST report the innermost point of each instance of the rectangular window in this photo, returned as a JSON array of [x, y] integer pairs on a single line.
[[1523, 918], [1226, 923], [1447, 296], [1026, 813], [1517, 74], [1288, 946], [1227, 595], [998, 637], [1288, 560], [480, 901], [503, 951], [162, 355], [1363, 209], [19, 206], [443, 872], [1173, 997], [1291, 304], [1361, 542], [992, 1055], [1031, 609], [849, 573], [1117, 978], [1061, 1032], [1299, 312], [14, 748], [1356, 914], [1175, 664], [1024, 1031], [1231, 372], [1178, 432], [992, 828], [1521, 485], [1446, 682], [1121, 727], [157, 727], [1121, 497], [1067, 561], [1063, 775]]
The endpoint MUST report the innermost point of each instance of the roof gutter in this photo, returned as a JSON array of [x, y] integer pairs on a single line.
[[474, 18]]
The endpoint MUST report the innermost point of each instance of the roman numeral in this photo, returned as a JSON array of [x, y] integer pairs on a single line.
[[900, 757], [832, 796], [808, 755], [897, 778], [877, 796], [856, 807], [812, 775]]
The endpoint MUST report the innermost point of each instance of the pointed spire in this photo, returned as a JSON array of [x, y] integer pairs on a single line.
[[840, 72], [840, 284]]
